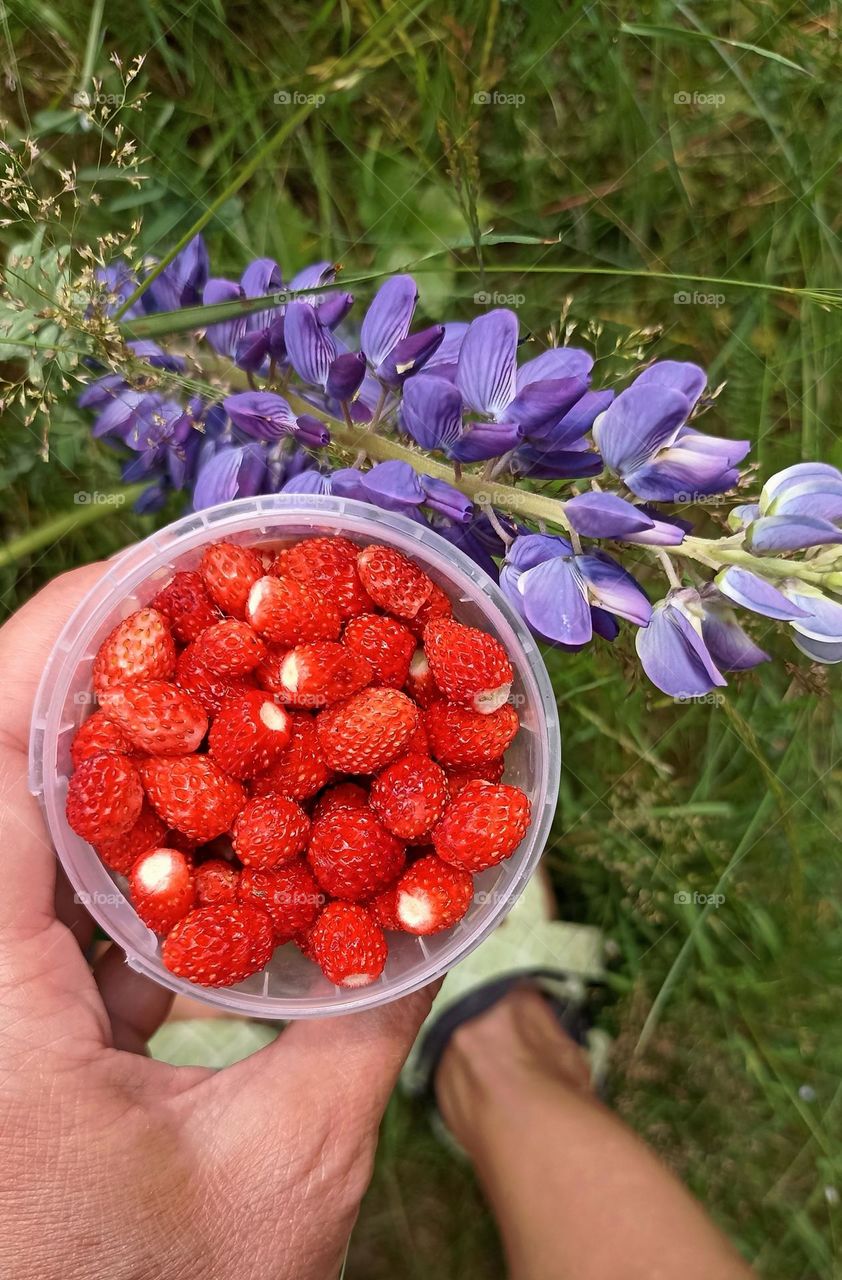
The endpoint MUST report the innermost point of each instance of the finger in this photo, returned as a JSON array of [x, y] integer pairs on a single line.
[[26, 854], [135, 1005], [71, 913], [355, 1057]]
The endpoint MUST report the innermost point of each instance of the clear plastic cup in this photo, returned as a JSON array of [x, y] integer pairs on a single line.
[[291, 986]]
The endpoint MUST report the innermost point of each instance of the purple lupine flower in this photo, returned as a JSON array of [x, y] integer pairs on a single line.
[[750, 591], [772, 534], [666, 531], [311, 347], [558, 592], [156, 356], [740, 517], [393, 485], [310, 481], [345, 376], [102, 391], [441, 497], [726, 641], [807, 489], [226, 335], [311, 432], [431, 412], [120, 414], [410, 355], [119, 283], [388, 318], [672, 651], [444, 360], [540, 463], [233, 472], [818, 632], [605, 515], [182, 281], [262, 415], [643, 437]]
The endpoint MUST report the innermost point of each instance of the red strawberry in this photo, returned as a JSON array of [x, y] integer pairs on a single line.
[[384, 907], [432, 895], [186, 605], [218, 946], [317, 675], [348, 945], [268, 673], [329, 565], [270, 830], [96, 736], [484, 825], [230, 648], [229, 572], [163, 888], [288, 894], [368, 731], [300, 770], [437, 606], [140, 647], [157, 717], [419, 743], [121, 853], [248, 734], [104, 798], [459, 736], [210, 689], [458, 778], [352, 855], [345, 795], [192, 794], [420, 684], [468, 665], [385, 643], [216, 881], [410, 796], [289, 612], [393, 581]]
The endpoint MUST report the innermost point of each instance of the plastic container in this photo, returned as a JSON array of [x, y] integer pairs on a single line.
[[291, 986]]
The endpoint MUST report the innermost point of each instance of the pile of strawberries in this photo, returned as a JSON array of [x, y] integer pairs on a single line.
[[301, 747]]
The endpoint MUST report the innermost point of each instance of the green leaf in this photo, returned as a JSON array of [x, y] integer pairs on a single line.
[[682, 33]]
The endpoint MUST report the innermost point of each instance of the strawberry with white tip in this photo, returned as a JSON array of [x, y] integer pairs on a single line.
[[468, 665]]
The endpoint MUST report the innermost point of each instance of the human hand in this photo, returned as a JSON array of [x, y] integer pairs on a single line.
[[114, 1163]]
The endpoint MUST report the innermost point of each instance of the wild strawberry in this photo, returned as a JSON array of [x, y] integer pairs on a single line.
[[216, 881], [352, 855], [385, 643], [368, 731], [230, 648], [157, 717], [459, 736], [140, 647], [484, 825], [229, 572], [410, 796], [96, 736], [432, 895], [192, 794], [345, 795], [329, 565], [122, 852], [419, 743], [384, 907], [104, 798], [268, 672], [420, 684], [348, 945], [436, 606], [270, 830], [288, 894], [289, 612], [218, 946], [317, 675], [300, 770], [468, 665], [248, 734], [393, 581], [210, 689], [458, 778], [163, 888], [186, 605]]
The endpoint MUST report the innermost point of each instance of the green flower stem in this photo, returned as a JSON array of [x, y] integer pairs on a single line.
[[708, 551], [56, 528]]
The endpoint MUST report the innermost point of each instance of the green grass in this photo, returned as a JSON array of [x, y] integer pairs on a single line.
[[723, 1013]]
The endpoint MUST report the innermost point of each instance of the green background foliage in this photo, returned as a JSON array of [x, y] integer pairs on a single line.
[[645, 144]]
